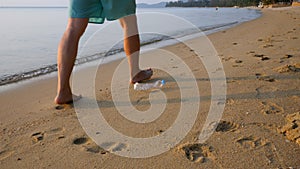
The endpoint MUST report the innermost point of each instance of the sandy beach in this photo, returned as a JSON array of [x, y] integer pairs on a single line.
[[259, 128]]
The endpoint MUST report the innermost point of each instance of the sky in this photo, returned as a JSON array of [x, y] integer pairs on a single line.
[[53, 2]]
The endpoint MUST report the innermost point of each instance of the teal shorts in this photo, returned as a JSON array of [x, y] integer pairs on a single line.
[[99, 10]]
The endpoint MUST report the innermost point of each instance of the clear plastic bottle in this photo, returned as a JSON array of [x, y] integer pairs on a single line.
[[147, 86]]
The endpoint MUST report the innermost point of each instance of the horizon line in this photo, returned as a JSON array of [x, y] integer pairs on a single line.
[[33, 6]]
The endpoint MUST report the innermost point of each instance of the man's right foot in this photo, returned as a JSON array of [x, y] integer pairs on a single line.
[[142, 75]]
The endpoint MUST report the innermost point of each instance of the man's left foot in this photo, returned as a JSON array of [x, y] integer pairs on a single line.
[[67, 100]]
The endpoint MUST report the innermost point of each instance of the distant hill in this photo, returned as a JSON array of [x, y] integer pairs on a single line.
[[157, 5]]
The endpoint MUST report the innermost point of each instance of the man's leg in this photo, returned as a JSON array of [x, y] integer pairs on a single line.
[[132, 48], [66, 56]]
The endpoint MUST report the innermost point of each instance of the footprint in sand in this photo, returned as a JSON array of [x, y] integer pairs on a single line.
[[261, 56], [114, 147], [80, 140], [250, 142], [229, 101], [267, 45], [56, 132], [250, 52], [288, 68], [5, 154], [88, 145], [225, 126], [271, 108], [197, 152], [265, 58], [266, 91], [287, 56], [258, 55], [51, 134], [238, 61], [292, 128], [37, 137], [269, 149], [263, 77], [226, 58], [141, 100], [59, 107]]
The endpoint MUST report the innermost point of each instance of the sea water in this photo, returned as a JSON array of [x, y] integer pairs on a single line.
[[29, 36]]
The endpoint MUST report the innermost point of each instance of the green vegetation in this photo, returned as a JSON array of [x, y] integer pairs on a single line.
[[223, 3]]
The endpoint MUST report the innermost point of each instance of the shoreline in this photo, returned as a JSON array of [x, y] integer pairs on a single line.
[[159, 41], [260, 60]]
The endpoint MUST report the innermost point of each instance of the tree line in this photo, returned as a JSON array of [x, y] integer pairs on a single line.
[[223, 3]]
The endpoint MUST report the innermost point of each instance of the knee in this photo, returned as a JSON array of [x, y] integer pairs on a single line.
[[72, 31], [76, 28], [128, 22]]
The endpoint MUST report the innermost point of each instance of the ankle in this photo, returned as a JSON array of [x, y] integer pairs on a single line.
[[134, 72], [64, 91]]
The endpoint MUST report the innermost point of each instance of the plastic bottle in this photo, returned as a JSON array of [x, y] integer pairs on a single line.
[[147, 86]]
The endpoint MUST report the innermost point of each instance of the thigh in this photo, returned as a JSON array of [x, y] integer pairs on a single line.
[[85, 8], [115, 9]]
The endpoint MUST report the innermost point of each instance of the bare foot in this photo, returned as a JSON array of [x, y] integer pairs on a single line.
[[142, 75], [67, 99]]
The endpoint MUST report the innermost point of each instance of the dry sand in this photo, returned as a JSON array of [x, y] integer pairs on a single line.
[[260, 126]]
